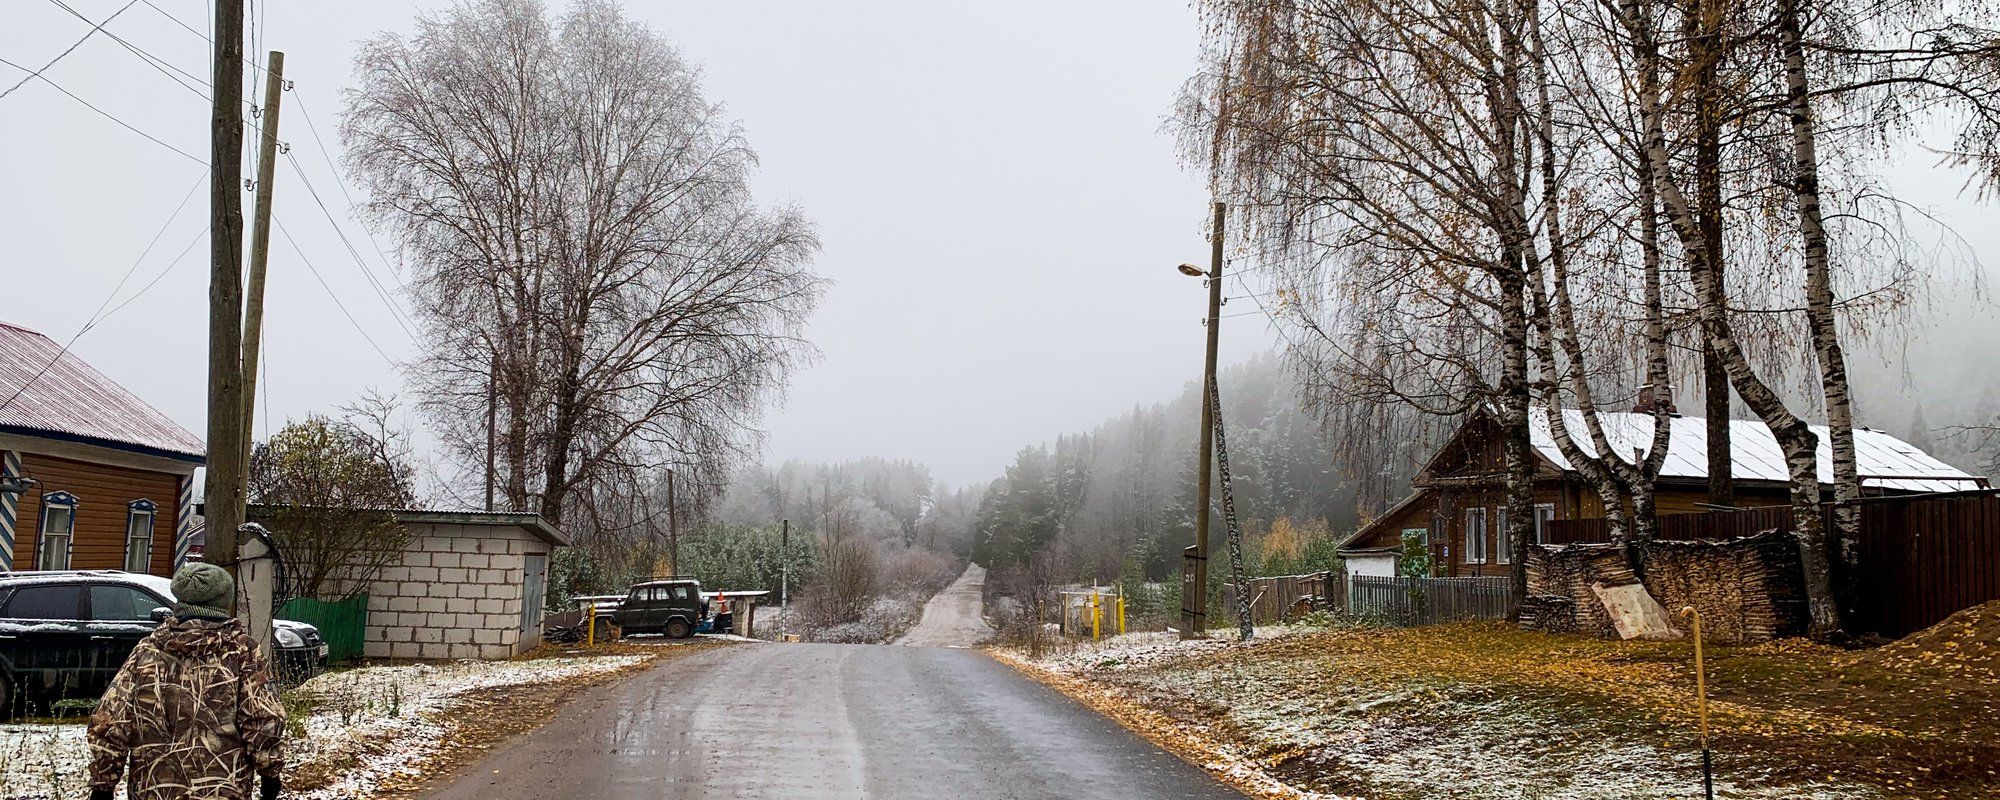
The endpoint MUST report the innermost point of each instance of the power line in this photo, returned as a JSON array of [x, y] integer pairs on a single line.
[[381, 293], [157, 63], [71, 49], [106, 114], [149, 248], [329, 291], [198, 237], [203, 36], [100, 315], [338, 179]]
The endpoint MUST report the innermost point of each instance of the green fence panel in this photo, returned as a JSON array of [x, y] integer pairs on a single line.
[[344, 624]]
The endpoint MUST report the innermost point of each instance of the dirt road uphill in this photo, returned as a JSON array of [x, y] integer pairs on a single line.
[[954, 618]]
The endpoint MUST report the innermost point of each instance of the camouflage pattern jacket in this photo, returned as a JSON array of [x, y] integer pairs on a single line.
[[194, 713]]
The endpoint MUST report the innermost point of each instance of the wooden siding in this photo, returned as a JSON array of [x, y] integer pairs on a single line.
[[1442, 512], [102, 495]]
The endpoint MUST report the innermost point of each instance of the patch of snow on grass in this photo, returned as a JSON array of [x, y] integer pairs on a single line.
[[360, 725]]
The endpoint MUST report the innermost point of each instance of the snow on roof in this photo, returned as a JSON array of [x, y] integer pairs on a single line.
[[1885, 461], [61, 397]]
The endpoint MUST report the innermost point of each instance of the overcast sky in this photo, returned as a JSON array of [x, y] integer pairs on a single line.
[[1000, 209]]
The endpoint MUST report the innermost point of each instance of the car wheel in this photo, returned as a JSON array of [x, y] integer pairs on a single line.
[[678, 629], [6, 697]]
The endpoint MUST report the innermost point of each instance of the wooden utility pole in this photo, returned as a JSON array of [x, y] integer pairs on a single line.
[[1196, 600], [223, 491], [260, 251], [673, 529]]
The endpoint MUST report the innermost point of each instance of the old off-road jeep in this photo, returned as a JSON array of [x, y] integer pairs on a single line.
[[672, 606]]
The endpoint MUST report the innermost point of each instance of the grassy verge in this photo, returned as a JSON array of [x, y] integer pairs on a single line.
[[1484, 710]]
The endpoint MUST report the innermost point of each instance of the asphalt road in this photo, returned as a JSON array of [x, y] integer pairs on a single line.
[[953, 618], [831, 722]]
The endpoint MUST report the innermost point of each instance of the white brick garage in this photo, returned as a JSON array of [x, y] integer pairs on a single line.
[[469, 586]]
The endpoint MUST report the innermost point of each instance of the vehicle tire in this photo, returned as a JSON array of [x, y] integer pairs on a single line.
[[678, 629], [6, 697]]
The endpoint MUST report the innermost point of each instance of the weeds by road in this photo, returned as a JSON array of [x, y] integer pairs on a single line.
[[1485, 710]]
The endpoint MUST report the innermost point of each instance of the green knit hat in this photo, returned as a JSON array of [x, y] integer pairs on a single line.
[[204, 590]]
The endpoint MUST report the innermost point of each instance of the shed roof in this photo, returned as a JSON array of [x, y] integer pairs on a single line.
[[1885, 461], [55, 395], [532, 523]]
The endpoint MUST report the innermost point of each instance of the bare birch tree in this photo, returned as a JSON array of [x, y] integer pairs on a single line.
[[583, 245]]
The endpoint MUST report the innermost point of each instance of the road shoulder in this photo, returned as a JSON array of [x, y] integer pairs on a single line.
[[1187, 742], [442, 744]]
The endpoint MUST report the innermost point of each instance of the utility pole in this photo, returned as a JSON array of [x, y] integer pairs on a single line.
[[260, 251], [1195, 598], [673, 530], [785, 564], [223, 492]]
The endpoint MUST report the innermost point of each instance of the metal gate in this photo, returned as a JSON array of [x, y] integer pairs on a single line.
[[534, 585]]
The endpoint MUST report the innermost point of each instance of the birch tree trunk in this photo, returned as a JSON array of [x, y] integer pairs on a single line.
[[1797, 440], [1820, 300]]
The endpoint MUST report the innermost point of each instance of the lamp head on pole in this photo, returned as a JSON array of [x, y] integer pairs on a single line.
[[1192, 271]]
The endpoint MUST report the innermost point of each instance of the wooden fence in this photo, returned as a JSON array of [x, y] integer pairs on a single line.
[[1923, 558], [1713, 526], [1424, 601], [1275, 598], [1919, 559]]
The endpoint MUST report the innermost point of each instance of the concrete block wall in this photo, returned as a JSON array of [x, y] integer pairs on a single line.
[[456, 593]]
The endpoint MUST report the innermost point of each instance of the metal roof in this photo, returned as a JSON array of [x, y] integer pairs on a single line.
[[61, 397], [530, 522], [1885, 461]]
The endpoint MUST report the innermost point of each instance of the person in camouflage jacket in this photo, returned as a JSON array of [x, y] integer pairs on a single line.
[[194, 713]]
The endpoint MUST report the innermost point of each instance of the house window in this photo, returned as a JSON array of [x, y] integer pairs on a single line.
[[58, 524], [139, 535], [1544, 514], [1475, 536], [1502, 546]]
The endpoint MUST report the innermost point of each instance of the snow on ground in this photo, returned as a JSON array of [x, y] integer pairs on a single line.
[[1280, 706], [1137, 650], [359, 726]]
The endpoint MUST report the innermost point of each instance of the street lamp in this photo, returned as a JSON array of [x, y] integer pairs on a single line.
[[1194, 566]]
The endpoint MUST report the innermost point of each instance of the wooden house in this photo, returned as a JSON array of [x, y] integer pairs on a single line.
[[1458, 508], [91, 477]]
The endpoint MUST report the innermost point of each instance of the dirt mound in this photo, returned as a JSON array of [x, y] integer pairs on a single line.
[[1965, 642]]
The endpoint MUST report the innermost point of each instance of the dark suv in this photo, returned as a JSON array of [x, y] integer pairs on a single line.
[[65, 634], [673, 607]]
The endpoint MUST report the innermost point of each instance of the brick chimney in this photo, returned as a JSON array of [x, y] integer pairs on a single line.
[[1644, 403]]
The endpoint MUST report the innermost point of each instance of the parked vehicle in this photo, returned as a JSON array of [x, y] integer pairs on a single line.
[[673, 607], [65, 634]]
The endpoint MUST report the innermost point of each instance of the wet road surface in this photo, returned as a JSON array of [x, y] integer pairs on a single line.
[[827, 722], [953, 618]]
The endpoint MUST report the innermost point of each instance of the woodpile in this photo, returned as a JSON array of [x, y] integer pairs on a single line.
[[1748, 589]]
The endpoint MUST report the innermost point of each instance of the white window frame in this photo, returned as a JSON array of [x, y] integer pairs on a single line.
[[44, 534], [137, 544], [1542, 521], [1475, 541], [1502, 552]]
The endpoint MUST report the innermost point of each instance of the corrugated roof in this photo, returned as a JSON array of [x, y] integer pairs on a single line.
[[64, 398], [1885, 461]]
